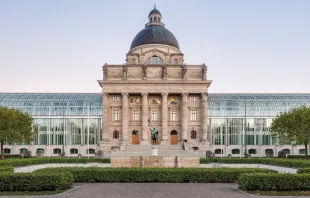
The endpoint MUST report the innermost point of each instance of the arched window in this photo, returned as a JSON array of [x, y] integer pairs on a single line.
[[133, 61], [235, 151], [115, 134], [301, 151], [173, 132], [175, 61], [57, 151], [193, 134], [155, 19], [269, 151], [218, 151], [154, 60], [22, 150], [90, 151], [74, 151], [286, 151], [6, 151], [252, 151], [40, 150]]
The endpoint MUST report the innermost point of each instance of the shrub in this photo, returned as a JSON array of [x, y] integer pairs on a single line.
[[303, 170], [281, 154], [274, 182], [31, 161], [35, 182], [163, 175], [297, 157], [6, 169], [13, 156]]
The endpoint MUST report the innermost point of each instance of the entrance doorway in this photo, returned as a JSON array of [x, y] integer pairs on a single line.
[[174, 137], [135, 137]]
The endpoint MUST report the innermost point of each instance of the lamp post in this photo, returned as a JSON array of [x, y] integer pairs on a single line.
[[63, 128], [245, 126]]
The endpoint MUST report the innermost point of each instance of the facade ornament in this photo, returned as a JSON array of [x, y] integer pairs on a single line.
[[144, 70], [204, 72], [105, 70], [184, 71], [125, 69], [164, 71]]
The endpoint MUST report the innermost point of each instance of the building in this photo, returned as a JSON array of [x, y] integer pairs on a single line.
[[154, 89]]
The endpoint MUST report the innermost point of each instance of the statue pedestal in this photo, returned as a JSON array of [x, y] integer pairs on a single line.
[[154, 150]]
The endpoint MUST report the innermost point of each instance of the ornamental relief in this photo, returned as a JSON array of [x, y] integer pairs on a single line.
[[173, 101], [154, 101], [134, 100]]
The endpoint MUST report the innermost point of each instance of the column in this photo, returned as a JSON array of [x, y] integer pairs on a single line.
[[184, 116], [105, 115], [125, 117], [204, 106], [164, 117], [144, 117]]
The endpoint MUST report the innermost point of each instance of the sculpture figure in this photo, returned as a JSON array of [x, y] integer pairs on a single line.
[[184, 71], [154, 135], [105, 70], [204, 72], [164, 71], [143, 71], [125, 71]]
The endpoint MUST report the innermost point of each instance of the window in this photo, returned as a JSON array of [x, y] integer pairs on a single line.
[[193, 99], [218, 151], [6, 151], [174, 116], [286, 151], [301, 151], [135, 115], [74, 151], [193, 116], [158, 19], [193, 134], [155, 19], [22, 151], [115, 115], [133, 61], [115, 98], [252, 151], [56, 151], [154, 115], [175, 61], [40, 150], [155, 60], [235, 151], [115, 134], [90, 151]]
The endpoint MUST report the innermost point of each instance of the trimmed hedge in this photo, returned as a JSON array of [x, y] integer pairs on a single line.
[[298, 163], [13, 156], [32, 161], [6, 169], [162, 175], [274, 182], [297, 157], [303, 170], [35, 181]]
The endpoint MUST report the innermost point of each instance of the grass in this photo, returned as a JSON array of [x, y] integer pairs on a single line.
[[280, 193], [31, 193]]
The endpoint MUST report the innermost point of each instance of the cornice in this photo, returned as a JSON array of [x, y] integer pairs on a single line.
[[205, 82]]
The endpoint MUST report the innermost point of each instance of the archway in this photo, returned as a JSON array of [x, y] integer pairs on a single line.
[[174, 137]]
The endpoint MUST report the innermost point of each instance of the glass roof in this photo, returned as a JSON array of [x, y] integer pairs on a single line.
[[220, 104]]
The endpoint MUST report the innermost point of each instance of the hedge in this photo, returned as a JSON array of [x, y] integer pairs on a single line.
[[274, 182], [32, 161], [35, 181], [162, 175], [297, 157], [13, 156], [298, 163], [303, 170], [6, 169]]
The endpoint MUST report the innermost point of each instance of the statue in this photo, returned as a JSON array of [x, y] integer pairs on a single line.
[[125, 71], [154, 134], [143, 71], [184, 71], [105, 70], [164, 71], [204, 72]]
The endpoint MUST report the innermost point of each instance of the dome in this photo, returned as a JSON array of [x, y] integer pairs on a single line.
[[154, 34], [154, 11]]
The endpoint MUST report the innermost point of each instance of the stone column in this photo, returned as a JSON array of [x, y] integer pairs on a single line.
[[105, 115], [184, 115], [204, 108], [164, 117], [145, 116], [125, 117]]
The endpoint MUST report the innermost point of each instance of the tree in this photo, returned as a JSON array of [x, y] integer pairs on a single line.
[[15, 127], [293, 126]]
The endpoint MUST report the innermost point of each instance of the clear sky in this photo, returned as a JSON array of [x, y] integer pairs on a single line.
[[249, 46]]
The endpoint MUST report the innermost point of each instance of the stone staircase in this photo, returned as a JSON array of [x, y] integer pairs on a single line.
[[146, 150]]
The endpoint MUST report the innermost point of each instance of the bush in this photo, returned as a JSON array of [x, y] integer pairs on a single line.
[[6, 169], [281, 154], [35, 182], [297, 157], [32, 161], [274, 182], [13, 156], [163, 175], [303, 170], [298, 163]]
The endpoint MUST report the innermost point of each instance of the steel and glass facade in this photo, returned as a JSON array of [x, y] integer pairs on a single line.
[[73, 121]]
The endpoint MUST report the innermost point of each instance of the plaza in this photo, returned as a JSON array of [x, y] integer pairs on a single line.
[[154, 89]]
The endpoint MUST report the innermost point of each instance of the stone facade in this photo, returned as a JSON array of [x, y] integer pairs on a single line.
[[154, 89]]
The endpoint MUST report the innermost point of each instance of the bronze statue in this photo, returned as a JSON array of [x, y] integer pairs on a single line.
[[154, 134]]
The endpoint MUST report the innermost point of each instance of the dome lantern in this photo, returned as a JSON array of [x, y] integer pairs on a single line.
[[155, 18]]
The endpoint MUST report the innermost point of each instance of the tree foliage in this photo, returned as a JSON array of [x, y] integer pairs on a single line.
[[293, 127], [15, 127]]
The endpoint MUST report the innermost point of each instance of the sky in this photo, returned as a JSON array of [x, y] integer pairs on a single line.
[[257, 46]]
